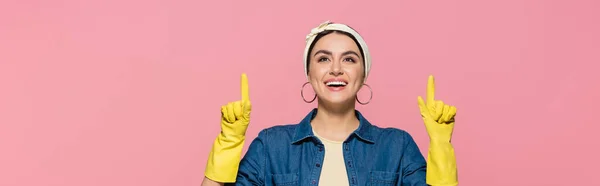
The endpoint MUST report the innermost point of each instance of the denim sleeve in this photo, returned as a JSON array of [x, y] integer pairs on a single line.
[[252, 167], [413, 163]]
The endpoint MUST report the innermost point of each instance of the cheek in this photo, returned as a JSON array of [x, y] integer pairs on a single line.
[[356, 72], [317, 71]]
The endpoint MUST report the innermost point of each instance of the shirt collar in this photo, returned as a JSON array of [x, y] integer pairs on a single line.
[[304, 129]]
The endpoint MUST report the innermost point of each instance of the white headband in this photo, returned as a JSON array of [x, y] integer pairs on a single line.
[[338, 27]]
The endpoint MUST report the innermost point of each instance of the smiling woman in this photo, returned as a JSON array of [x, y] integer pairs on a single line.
[[334, 144]]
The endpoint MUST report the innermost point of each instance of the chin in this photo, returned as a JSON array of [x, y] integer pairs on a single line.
[[338, 99]]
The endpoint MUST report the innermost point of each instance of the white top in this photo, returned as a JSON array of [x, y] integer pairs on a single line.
[[333, 170]]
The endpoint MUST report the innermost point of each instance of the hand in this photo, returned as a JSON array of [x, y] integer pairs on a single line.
[[439, 121], [224, 158], [235, 116], [438, 117]]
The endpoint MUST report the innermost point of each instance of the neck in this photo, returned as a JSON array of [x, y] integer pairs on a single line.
[[335, 122]]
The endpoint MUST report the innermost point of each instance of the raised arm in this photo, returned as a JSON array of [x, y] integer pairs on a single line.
[[224, 158], [439, 121]]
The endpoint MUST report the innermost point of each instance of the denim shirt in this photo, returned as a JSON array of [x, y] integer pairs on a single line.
[[293, 155]]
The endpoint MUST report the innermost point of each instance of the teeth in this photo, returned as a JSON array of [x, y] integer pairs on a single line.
[[339, 83]]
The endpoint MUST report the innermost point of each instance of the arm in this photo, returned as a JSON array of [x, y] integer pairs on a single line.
[[224, 157], [252, 167], [414, 167]]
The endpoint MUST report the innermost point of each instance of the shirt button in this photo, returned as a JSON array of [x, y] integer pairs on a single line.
[[314, 182], [320, 149], [349, 164], [318, 165]]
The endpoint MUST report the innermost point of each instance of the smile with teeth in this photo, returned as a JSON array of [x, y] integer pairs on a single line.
[[336, 83]]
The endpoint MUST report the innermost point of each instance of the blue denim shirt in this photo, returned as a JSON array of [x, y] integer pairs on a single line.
[[293, 155]]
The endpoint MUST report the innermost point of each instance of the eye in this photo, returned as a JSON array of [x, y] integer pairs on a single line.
[[349, 59], [323, 59]]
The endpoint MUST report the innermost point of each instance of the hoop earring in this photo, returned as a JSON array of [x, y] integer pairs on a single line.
[[302, 94], [370, 90]]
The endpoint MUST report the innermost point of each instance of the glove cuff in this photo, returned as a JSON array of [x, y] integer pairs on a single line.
[[441, 164], [225, 156]]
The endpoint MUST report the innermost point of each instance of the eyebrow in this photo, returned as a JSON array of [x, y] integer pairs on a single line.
[[323, 51], [350, 52], [330, 53]]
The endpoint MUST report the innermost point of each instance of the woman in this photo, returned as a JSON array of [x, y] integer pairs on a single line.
[[334, 144]]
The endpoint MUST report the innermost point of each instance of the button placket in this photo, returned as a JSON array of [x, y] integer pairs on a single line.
[[349, 161], [318, 159]]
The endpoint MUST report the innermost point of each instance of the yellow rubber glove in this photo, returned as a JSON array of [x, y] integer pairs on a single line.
[[224, 159], [439, 121]]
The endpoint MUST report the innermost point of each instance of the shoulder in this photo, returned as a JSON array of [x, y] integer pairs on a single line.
[[382, 134], [283, 132], [388, 131], [280, 129], [391, 134]]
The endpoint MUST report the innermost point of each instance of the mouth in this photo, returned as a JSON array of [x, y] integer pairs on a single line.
[[336, 84]]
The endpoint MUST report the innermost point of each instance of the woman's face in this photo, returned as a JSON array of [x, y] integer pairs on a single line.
[[336, 69]]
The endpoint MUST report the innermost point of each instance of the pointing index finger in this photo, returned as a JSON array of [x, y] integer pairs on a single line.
[[430, 89], [244, 87]]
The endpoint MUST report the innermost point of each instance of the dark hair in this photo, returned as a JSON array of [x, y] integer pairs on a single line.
[[327, 32]]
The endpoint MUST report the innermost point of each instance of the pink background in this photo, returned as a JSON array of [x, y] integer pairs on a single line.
[[128, 93]]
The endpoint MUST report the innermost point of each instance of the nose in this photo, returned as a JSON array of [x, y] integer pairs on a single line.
[[336, 73], [336, 69]]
